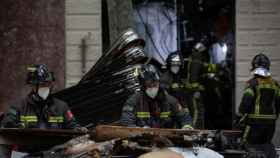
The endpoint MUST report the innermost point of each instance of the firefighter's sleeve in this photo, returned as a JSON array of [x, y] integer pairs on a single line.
[[277, 103], [185, 119], [247, 101], [182, 115], [11, 118], [165, 81], [128, 117], [69, 120], [195, 68]]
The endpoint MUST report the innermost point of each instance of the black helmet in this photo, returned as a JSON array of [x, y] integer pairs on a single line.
[[260, 61], [173, 59], [147, 73], [38, 74]]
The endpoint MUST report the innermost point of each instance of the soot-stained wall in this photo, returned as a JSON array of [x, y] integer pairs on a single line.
[[31, 32]]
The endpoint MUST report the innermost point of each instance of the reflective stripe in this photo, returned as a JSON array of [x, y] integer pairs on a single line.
[[195, 113], [194, 85], [246, 132], [244, 116], [164, 114], [147, 114], [188, 84], [143, 114], [175, 86], [257, 106], [187, 127], [212, 68], [254, 116], [270, 86], [258, 89], [189, 70], [56, 119], [30, 118], [249, 91]]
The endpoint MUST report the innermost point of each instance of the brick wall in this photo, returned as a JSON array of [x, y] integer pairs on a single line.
[[31, 32]]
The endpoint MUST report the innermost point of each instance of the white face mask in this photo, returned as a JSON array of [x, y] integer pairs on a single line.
[[44, 92], [152, 92], [175, 69]]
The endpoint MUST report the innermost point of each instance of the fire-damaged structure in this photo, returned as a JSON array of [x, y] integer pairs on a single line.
[[98, 99], [130, 142]]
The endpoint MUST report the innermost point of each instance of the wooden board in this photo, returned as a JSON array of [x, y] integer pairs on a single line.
[[36, 136], [104, 132]]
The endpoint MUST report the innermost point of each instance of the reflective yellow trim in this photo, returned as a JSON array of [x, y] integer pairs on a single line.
[[270, 86], [258, 88], [56, 119], [212, 68], [254, 116], [195, 113], [189, 70], [278, 92], [142, 114], [165, 114], [30, 118], [174, 85], [195, 85], [243, 118], [249, 91], [246, 132], [31, 68], [257, 106], [187, 127]]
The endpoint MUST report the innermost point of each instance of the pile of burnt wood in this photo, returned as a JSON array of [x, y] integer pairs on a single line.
[[115, 141]]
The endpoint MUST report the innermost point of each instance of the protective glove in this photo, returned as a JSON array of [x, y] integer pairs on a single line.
[[187, 127]]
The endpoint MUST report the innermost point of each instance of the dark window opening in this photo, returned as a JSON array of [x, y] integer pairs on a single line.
[[178, 26]]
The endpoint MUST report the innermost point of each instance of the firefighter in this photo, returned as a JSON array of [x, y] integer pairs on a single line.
[[152, 106], [40, 109], [259, 107], [179, 86]]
